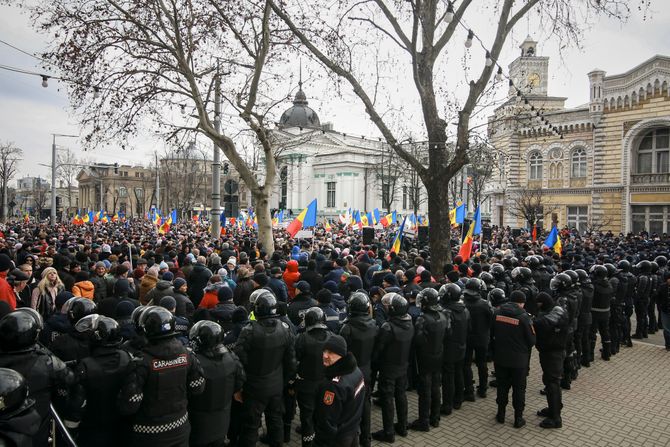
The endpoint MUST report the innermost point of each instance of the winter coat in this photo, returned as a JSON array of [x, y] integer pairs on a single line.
[[147, 283], [291, 277], [197, 281], [85, 289]]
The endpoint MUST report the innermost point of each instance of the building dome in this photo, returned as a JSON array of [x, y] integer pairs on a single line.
[[300, 115]]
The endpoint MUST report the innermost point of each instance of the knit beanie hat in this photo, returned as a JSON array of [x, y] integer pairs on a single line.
[[337, 345]]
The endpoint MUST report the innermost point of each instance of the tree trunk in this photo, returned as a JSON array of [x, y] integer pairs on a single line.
[[439, 230], [262, 206]]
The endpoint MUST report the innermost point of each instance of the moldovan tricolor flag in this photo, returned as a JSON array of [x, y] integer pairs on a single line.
[[466, 247], [306, 218], [395, 247]]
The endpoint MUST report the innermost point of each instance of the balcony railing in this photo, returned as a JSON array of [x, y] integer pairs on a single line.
[[650, 179]]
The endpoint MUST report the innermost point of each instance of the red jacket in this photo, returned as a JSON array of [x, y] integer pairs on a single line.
[[6, 291], [291, 276]]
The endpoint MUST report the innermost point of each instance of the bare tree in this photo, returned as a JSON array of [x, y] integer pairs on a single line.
[[9, 157], [183, 171], [170, 63], [67, 168], [597, 224], [388, 171], [340, 39], [480, 169], [39, 193], [531, 206]]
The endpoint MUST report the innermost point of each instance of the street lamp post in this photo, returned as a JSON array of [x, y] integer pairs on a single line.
[[53, 173]]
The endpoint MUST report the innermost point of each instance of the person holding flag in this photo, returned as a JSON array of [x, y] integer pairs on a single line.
[[306, 218], [397, 242], [475, 228], [553, 241]]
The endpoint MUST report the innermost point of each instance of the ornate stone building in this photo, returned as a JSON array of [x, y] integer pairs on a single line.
[[608, 165]]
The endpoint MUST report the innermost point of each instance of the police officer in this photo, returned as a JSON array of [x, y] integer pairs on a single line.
[[393, 345], [43, 371], [429, 334], [74, 345], [340, 403], [479, 332], [625, 268], [514, 337], [583, 333], [569, 297], [600, 310], [454, 347], [359, 331], [99, 379], [209, 412], [498, 272], [641, 299], [309, 354], [19, 421], [651, 311], [523, 281], [265, 348], [157, 391], [619, 284], [551, 325]]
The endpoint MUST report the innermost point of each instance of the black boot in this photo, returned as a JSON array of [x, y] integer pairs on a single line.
[[519, 421], [606, 351], [287, 433], [418, 425], [500, 416], [381, 436], [551, 423]]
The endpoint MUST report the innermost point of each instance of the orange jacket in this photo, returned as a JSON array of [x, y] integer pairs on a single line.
[[291, 276], [84, 289]]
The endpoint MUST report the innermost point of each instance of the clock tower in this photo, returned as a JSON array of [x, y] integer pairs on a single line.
[[529, 71]]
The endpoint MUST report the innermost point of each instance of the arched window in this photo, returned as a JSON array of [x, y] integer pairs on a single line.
[[535, 166], [653, 152], [578, 163]]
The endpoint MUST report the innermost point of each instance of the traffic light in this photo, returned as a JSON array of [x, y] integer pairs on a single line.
[[225, 168], [116, 168]]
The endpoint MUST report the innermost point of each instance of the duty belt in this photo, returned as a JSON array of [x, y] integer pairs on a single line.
[[155, 429], [600, 309]]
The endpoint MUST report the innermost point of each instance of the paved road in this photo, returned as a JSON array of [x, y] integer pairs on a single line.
[[623, 402]]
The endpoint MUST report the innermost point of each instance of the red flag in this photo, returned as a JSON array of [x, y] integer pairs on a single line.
[[534, 233]]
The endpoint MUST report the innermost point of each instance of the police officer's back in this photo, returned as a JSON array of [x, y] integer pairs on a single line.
[[157, 391], [265, 348], [42, 371], [19, 421], [479, 333], [209, 412], [454, 347], [359, 331], [74, 345], [99, 379]]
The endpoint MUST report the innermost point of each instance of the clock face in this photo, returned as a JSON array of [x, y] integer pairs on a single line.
[[534, 80]]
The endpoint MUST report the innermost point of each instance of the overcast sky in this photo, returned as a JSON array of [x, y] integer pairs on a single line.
[[29, 114]]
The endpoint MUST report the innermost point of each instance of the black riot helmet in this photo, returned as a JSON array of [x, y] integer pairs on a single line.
[[157, 322], [497, 297], [526, 274], [644, 266], [560, 282], [137, 314], [662, 261], [315, 318], [78, 308], [532, 262], [574, 277], [599, 271], [18, 331], [624, 266], [427, 299], [359, 303], [497, 270], [583, 276], [265, 305], [654, 267], [13, 392], [473, 284], [611, 269], [450, 292], [205, 335], [397, 305], [487, 278], [101, 330]]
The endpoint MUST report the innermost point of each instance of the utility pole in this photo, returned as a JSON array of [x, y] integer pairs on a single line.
[[53, 174], [158, 182], [215, 211]]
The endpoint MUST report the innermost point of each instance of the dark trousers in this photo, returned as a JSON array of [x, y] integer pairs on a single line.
[[341, 440], [514, 378], [235, 426], [628, 312], [365, 437], [479, 354], [651, 311], [393, 396], [552, 366], [253, 409], [289, 400], [583, 341], [569, 367], [600, 323], [617, 328], [452, 384], [306, 397], [429, 396], [641, 311]]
